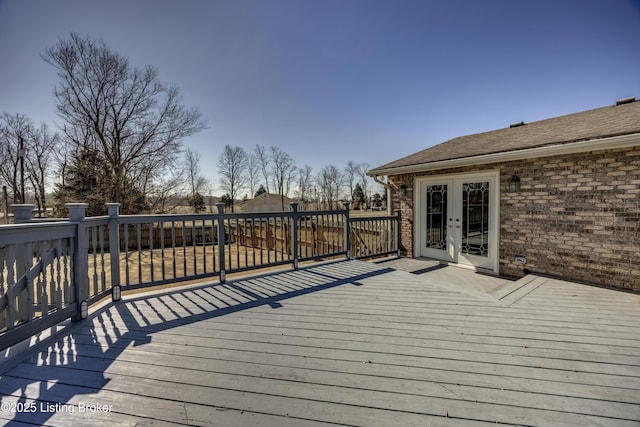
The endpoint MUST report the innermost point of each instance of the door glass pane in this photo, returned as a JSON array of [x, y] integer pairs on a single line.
[[436, 217], [475, 218]]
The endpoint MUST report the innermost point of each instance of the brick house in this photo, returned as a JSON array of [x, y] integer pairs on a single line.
[[559, 197], [265, 202]]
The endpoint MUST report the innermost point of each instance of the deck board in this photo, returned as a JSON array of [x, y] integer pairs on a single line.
[[344, 343]]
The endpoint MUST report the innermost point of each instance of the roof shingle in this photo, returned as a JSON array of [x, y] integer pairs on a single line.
[[588, 125]]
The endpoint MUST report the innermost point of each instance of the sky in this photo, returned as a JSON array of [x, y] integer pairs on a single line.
[[330, 81]]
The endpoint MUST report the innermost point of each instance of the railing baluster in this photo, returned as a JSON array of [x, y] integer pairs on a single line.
[[151, 251], [29, 290], [103, 274], [162, 255], [69, 288], [204, 246], [244, 242], [268, 235], [58, 290], [184, 248], [229, 258], [95, 259], [25, 298], [10, 310], [214, 263], [234, 241], [331, 246], [173, 248], [53, 298], [139, 243], [195, 245], [260, 239], [42, 282], [325, 237], [283, 233], [221, 238], [126, 254]]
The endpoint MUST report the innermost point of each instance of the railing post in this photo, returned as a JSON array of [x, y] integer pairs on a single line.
[[221, 237], [77, 213], [396, 237], [114, 249], [24, 260], [294, 234], [347, 230]]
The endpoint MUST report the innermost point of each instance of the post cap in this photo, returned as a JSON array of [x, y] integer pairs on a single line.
[[22, 212], [77, 211]]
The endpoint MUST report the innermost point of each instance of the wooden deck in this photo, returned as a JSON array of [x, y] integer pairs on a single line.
[[344, 343]]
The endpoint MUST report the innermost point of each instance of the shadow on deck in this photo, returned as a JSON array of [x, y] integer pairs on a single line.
[[93, 345]]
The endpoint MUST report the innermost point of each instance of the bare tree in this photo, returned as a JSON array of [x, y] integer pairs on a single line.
[[264, 161], [329, 182], [337, 179], [13, 130], [197, 181], [253, 169], [42, 145], [282, 171], [305, 182], [289, 179], [167, 192], [26, 157], [232, 166], [351, 174], [364, 181], [136, 122]]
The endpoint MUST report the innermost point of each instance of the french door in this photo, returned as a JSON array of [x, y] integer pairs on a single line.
[[458, 219]]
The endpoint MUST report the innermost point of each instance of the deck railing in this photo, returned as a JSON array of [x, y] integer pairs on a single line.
[[52, 271]]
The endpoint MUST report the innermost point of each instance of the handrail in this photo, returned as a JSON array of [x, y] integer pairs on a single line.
[[21, 233]]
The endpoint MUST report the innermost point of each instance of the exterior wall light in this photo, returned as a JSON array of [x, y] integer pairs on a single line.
[[84, 309], [116, 293], [403, 192], [514, 184]]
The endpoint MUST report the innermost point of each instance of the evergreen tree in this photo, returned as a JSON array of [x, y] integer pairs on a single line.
[[86, 181], [358, 196], [261, 190], [197, 203], [227, 200], [89, 179], [377, 200]]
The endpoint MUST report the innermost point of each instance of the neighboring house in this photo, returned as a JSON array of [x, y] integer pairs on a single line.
[[265, 202], [559, 197]]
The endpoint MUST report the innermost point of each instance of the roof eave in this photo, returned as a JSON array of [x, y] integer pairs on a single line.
[[622, 141]]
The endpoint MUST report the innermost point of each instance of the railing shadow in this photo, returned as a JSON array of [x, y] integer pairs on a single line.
[[48, 377]]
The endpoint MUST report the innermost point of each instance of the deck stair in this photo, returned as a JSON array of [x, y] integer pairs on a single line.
[[511, 292]]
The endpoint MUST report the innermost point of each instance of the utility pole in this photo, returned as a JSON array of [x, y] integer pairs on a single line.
[[5, 204], [22, 200]]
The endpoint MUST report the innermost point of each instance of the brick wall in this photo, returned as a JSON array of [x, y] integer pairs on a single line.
[[405, 206], [576, 216]]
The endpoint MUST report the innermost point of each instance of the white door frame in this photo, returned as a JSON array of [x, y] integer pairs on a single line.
[[453, 254]]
